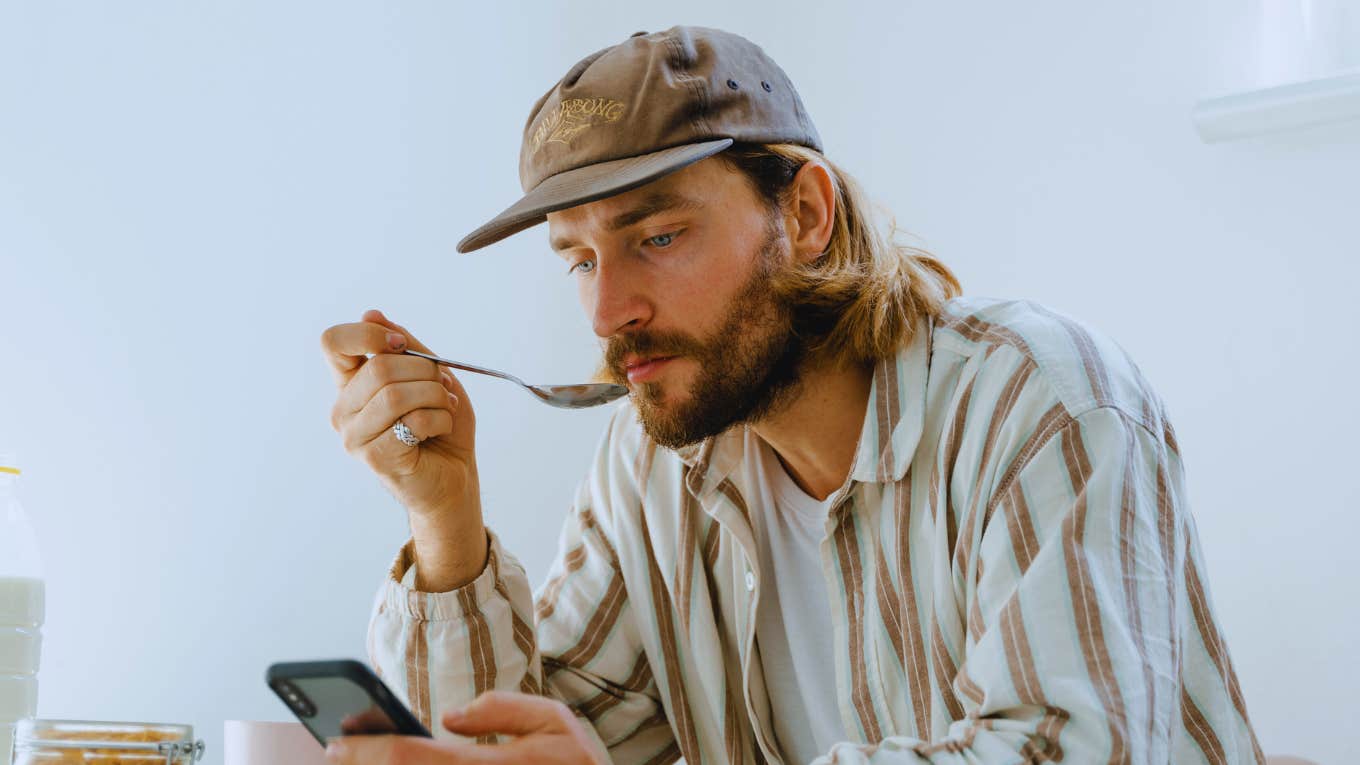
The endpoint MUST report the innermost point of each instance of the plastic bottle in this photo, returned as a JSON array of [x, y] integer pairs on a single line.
[[21, 610]]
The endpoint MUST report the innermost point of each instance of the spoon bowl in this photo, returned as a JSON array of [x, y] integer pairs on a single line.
[[581, 396]]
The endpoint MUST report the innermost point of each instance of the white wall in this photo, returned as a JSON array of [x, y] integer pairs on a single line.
[[190, 193]]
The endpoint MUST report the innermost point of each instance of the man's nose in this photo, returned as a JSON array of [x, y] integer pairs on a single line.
[[620, 303]]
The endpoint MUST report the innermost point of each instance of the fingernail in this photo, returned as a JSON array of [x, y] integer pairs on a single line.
[[453, 401], [335, 751], [395, 340]]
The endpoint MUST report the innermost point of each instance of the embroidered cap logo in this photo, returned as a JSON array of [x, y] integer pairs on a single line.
[[575, 115]]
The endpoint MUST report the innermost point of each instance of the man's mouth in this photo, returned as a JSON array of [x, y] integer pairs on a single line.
[[643, 369]]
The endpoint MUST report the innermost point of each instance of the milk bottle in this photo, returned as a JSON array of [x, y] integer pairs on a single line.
[[21, 610]]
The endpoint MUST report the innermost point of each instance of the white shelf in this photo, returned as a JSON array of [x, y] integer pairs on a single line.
[[1285, 107]]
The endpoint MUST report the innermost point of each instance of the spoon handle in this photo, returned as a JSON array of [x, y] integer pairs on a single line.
[[465, 367]]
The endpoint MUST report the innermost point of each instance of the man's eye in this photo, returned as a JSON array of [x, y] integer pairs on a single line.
[[662, 240], [577, 269]]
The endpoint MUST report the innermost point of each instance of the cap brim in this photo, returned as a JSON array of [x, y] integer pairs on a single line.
[[587, 184]]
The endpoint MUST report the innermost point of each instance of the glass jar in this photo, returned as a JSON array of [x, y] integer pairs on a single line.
[[70, 742], [21, 610]]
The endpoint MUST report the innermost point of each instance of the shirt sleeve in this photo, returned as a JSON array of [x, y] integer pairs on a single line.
[[578, 643], [1090, 635]]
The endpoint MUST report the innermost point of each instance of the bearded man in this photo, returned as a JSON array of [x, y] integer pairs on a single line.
[[844, 516]]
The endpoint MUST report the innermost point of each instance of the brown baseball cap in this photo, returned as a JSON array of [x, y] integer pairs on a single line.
[[633, 112]]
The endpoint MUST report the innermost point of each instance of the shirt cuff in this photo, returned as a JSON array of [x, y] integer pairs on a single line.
[[400, 595]]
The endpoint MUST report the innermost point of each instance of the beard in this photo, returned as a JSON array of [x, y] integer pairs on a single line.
[[747, 369]]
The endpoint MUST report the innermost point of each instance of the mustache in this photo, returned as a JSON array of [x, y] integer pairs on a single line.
[[649, 345]]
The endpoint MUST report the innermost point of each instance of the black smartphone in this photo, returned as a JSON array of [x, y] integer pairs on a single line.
[[341, 698]]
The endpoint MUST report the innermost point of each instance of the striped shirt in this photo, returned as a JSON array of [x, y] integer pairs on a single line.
[[1013, 569]]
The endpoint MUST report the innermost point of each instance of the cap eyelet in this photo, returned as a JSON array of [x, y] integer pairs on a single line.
[[733, 84], [766, 86]]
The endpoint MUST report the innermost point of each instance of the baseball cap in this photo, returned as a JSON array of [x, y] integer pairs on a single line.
[[629, 114]]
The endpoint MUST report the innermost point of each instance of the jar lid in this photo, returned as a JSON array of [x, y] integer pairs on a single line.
[[172, 742]]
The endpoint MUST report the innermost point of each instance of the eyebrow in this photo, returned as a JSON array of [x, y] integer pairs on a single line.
[[655, 204]]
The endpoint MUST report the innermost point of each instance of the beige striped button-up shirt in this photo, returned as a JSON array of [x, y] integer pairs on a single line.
[[1013, 568]]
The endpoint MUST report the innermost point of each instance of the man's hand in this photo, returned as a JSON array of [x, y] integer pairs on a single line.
[[543, 731], [435, 481]]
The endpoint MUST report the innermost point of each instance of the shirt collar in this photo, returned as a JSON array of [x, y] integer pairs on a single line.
[[893, 422]]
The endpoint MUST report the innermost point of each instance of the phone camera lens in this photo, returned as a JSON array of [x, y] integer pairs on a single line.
[[295, 699]]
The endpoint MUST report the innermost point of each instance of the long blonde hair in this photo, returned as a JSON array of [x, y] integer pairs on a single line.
[[863, 299]]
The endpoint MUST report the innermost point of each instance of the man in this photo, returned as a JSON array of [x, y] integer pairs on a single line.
[[844, 516]]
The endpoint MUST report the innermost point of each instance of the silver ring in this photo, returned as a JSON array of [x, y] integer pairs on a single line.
[[404, 434]]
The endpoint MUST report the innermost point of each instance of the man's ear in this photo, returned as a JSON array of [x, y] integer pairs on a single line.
[[811, 212]]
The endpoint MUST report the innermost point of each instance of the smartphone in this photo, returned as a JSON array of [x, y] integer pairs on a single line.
[[341, 698]]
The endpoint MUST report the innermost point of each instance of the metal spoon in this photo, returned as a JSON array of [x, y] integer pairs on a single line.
[[564, 396]]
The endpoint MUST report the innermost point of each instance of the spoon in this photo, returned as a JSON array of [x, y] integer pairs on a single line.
[[564, 396]]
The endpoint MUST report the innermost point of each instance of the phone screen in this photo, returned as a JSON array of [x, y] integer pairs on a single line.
[[336, 706]]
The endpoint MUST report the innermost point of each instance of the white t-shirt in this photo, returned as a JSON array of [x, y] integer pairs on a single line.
[[793, 617]]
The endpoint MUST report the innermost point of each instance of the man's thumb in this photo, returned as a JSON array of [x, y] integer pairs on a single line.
[[514, 714], [375, 316]]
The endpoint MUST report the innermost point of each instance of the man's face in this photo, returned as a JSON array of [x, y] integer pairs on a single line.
[[678, 272]]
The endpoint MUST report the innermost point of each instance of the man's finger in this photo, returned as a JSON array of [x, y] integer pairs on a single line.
[[346, 346], [398, 750], [378, 317], [392, 403], [381, 370], [514, 714]]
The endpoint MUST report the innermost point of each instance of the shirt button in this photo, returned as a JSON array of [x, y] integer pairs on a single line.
[[750, 581]]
